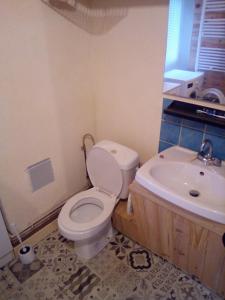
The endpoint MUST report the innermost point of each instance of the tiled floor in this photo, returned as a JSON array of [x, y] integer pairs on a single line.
[[123, 270]]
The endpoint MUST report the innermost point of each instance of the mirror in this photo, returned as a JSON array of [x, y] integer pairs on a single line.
[[195, 56]]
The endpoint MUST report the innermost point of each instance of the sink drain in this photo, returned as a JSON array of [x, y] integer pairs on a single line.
[[194, 193]]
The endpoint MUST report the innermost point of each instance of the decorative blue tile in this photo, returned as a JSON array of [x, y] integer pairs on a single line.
[[193, 124], [169, 132], [166, 102], [172, 119], [215, 130], [191, 138], [218, 145], [164, 146], [189, 134]]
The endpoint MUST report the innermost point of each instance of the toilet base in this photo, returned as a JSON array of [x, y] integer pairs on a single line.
[[88, 248]]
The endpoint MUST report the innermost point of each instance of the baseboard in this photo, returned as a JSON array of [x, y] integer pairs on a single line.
[[28, 232], [37, 236], [41, 223]]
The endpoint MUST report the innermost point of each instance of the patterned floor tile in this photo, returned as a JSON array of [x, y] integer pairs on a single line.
[[103, 263], [18, 295], [116, 276], [114, 296], [120, 246], [43, 285], [57, 254], [9, 285], [63, 266], [128, 285], [91, 297], [123, 270], [187, 288], [82, 282], [142, 290], [158, 274], [23, 272], [137, 297], [140, 259], [53, 245], [100, 291]]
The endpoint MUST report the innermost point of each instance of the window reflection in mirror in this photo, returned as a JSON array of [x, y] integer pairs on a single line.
[[195, 56]]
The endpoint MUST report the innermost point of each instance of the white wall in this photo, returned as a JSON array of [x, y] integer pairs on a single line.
[[57, 83], [127, 71], [45, 106]]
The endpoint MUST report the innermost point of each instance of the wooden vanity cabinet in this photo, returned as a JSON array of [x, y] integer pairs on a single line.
[[191, 242]]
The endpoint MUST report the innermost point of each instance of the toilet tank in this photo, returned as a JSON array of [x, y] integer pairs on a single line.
[[127, 159]]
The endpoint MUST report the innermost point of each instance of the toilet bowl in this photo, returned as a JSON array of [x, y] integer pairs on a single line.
[[86, 217]]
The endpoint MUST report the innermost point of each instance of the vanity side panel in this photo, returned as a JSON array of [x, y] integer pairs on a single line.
[[181, 243], [197, 249], [155, 225], [221, 286], [125, 223], [189, 241], [141, 219], [214, 262], [152, 235], [166, 233]]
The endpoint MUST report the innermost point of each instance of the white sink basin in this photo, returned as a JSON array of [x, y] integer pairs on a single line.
[[176, 176]]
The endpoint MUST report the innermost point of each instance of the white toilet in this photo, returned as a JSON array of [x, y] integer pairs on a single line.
[[86, 217]]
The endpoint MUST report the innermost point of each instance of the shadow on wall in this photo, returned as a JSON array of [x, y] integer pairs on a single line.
[[96, 16]]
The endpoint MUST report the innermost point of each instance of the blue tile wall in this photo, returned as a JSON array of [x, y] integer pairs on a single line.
[[189, 134]]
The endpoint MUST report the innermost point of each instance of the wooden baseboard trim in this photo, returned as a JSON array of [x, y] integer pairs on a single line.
[[28, 232], [38, 225]]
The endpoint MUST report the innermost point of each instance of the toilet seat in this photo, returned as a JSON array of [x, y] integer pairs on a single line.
[[92, 196]]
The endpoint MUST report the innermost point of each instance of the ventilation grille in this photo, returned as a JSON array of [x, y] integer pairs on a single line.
[[41, 174]]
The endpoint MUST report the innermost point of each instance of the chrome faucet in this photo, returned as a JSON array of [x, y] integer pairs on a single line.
[[206, 154]]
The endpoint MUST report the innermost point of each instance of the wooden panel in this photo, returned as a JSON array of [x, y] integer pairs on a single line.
[[181, 234], [189, 241], [123, 222], [214, 261], [139, 212], [166, 232], [151, 221], [198, 243], [221, 285], [137, 189]]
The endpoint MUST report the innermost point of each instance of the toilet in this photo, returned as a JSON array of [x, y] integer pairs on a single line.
[[86, 217]]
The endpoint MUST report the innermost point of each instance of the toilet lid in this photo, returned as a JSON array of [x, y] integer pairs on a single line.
[[104, 171]]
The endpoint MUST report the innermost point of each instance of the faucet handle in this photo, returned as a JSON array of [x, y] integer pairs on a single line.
[[206, 148], [205, 154]]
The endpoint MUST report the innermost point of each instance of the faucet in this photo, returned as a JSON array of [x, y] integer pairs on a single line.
[[206, 154]]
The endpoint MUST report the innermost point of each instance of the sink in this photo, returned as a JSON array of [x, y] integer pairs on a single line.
[[178, 177]]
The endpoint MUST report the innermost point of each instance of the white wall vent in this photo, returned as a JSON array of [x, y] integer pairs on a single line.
[[41, 174]]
